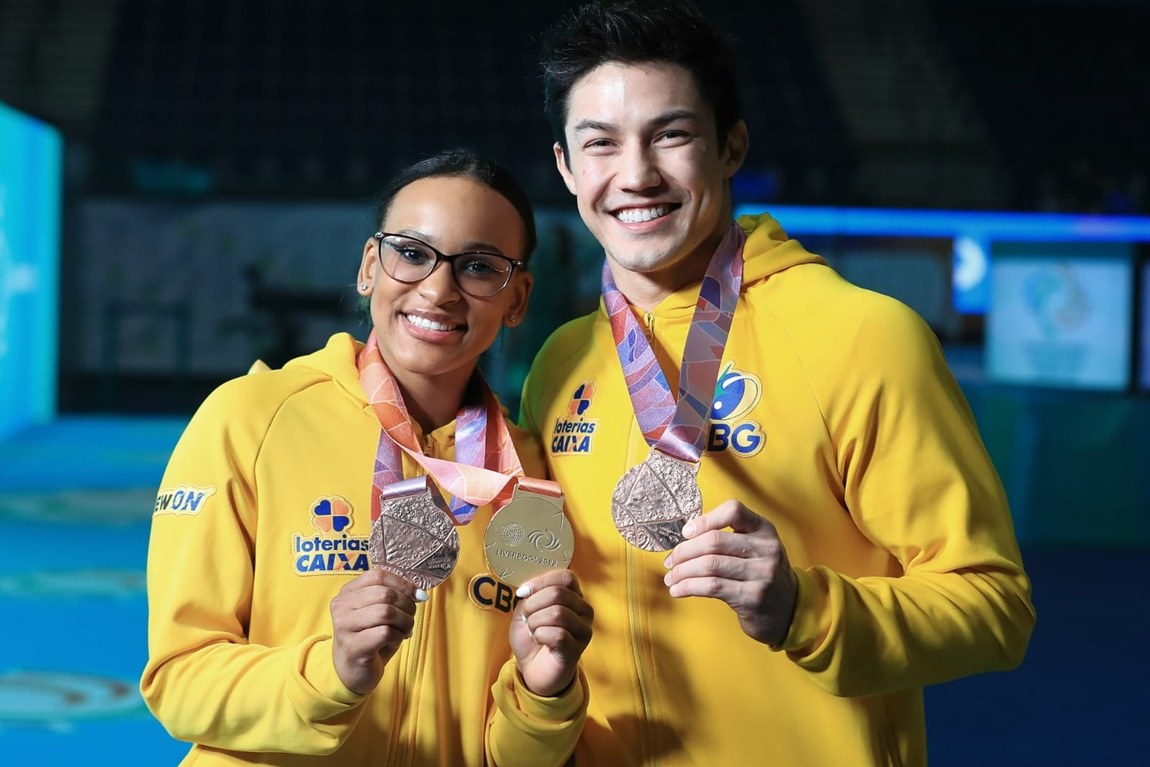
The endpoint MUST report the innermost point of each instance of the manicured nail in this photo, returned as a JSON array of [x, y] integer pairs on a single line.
[[421, 595], [689, 528], [523, 591], [667, 561]]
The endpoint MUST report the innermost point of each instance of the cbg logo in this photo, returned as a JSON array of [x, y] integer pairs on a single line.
[[736, 395], [489, 593]]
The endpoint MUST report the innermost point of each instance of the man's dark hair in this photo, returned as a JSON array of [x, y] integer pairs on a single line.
[[466, 163], [634, 32]]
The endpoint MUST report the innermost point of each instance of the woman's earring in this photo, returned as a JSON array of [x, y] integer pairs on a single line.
[[363, 287], [512, 320]]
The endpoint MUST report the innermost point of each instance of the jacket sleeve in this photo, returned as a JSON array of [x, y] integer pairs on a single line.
[[204, 680], [918, 482], [526, 730]]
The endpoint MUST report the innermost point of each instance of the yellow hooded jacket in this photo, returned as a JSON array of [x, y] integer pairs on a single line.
[[837, 419], [263, 515]]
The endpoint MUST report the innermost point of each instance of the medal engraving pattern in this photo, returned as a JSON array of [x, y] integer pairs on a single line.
[[414, 538], [654, 500]]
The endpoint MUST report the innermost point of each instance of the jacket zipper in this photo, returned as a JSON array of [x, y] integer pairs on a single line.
[[399, 752], [638, 642], [408, 658], [638, 645]]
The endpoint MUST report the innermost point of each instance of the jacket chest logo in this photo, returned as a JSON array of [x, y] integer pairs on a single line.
[[331, 548], [737, 393], [574, 434]]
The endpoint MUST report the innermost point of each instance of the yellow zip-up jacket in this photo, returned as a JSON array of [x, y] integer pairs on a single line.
[[837, 419], [263, 514]]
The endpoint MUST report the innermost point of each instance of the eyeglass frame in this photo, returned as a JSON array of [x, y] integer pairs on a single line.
[[449, 259]]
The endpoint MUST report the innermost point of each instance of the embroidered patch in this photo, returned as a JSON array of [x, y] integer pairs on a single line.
[[183, 500], [489, 593], [737, 393], [334, 551], [331, 515], [576, 434]]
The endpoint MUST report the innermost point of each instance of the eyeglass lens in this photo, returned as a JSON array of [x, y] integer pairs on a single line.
[[480, 274]]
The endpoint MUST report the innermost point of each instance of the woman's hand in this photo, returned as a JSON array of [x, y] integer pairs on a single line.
[[371, 616], [550, 630]]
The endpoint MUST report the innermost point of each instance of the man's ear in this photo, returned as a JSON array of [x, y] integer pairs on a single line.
[[563, 167], [735, 152]]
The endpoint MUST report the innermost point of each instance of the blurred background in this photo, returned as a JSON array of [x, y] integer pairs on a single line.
[[186, 186]]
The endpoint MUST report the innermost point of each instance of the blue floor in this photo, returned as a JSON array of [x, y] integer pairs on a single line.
[[75, 503]]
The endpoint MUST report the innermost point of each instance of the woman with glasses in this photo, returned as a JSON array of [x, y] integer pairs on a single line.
[[275, 636]]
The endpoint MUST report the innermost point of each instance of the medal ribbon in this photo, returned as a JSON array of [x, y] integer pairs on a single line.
[[481, 473], [678, 427]]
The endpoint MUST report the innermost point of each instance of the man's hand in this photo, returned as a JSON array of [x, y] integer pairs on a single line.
[[550, 630], [371, 616], [746, 567]]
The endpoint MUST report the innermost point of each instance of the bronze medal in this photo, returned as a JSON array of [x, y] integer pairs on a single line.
[[528, 537], [654, 499], [414, 537]]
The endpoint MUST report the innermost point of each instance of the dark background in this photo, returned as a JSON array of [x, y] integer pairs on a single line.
[[1010, 105]]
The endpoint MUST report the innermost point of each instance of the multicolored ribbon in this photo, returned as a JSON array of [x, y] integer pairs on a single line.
[[486, 465], [678, 427]]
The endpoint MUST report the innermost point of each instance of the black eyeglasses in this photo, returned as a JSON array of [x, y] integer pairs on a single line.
[[477, 273]]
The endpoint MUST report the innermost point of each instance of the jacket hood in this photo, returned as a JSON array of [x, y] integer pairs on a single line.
[[336, 360], [769, 250]]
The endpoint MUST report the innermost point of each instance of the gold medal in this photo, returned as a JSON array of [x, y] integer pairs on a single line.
[[530, 535]]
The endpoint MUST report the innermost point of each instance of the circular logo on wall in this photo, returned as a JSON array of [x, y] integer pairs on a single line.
[[55, 699], [1057, 299]]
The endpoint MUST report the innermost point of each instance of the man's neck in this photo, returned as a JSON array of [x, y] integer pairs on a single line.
[[640, 290], [646, 290]]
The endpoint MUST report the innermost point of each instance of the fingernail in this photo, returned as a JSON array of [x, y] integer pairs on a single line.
[[421, 595], [689, 528], [523, 591], [667, 561], [667, 579]]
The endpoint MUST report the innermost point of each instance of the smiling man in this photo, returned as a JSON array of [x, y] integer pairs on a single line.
[[785, 516]]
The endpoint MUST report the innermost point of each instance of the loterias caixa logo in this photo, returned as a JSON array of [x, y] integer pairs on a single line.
[[575, 433], [737, 393], [332, 549]]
